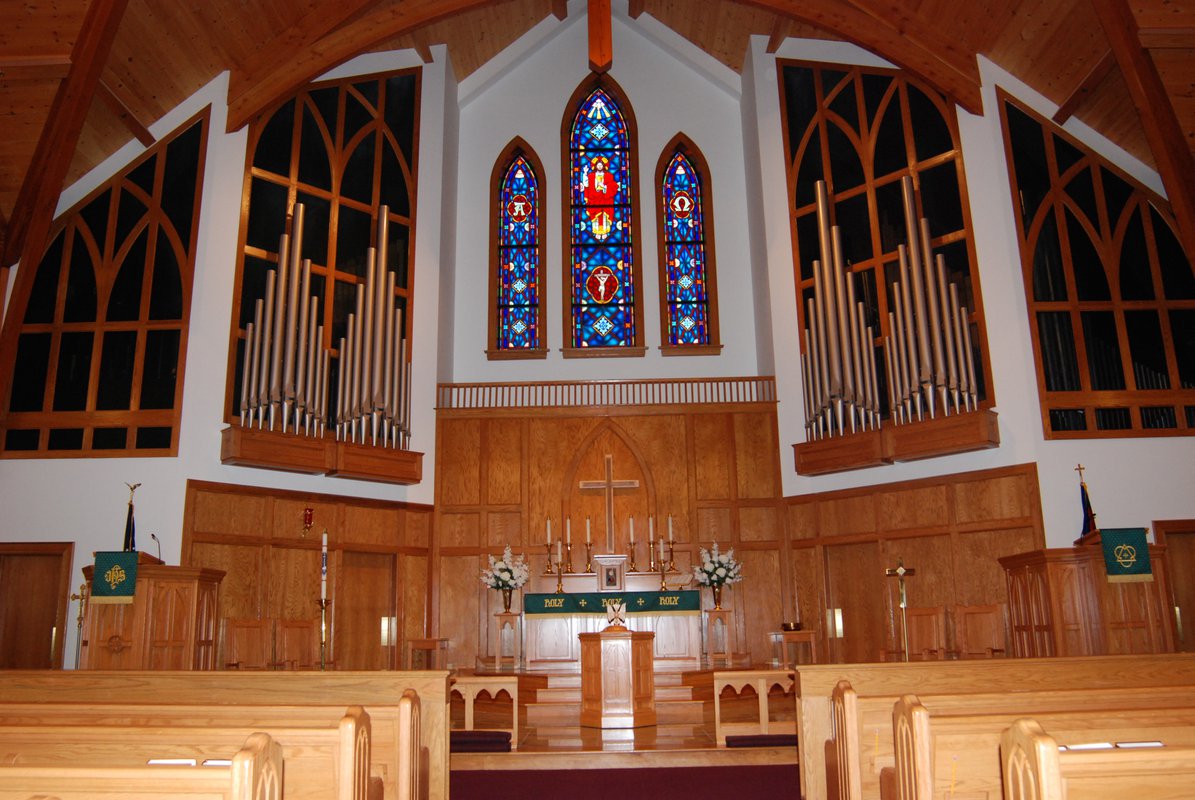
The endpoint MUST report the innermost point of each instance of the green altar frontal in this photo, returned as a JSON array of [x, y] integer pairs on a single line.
[[685, 602]]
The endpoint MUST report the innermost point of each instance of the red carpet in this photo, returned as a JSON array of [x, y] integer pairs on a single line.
[[729, 783]]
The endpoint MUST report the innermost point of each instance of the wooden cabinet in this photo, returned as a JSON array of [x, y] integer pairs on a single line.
[[171, 623], [1061, 604]]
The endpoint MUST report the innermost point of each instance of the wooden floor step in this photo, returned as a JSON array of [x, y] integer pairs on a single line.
[[558, 695]]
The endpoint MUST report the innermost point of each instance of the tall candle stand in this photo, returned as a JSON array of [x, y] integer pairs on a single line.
[[663, 578], [632, 567], [588, 558], [323, 634], [568, 558], [671, 558], [548, 566], [559, 577]]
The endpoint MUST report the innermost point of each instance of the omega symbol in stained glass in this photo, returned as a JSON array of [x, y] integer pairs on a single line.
[[602, 285], [684, 250]]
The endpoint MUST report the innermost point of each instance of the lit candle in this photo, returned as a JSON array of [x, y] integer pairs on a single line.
[[669, 529], [632, 531], [549, 542], [323, 569], [651, 530]]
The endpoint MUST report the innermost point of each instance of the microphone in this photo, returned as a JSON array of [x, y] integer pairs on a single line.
[[159, 541]]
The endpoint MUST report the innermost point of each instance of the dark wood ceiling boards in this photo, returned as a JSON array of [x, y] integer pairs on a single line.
[[164, 50]]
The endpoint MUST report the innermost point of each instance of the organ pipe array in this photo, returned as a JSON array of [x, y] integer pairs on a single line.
[[927, 354], [285, 373]]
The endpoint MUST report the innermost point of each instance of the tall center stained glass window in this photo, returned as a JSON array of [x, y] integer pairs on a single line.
[[603, 296]]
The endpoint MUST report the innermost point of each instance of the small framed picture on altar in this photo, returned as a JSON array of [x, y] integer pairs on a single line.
[[611, 573]]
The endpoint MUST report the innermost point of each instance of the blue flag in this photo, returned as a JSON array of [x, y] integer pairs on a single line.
[[1088, 515]]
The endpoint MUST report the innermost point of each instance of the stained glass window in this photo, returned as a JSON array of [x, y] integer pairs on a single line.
[[686, 273], [603, 311], [515, 321]]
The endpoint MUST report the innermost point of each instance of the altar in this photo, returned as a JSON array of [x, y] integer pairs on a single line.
[[552, 623]]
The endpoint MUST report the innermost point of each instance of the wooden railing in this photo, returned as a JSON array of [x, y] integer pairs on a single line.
[[648, 392]]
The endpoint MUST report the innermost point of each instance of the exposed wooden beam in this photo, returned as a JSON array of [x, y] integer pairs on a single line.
[[50, 66], [601, 36], [886, 29], [1167, 38], [780, 32], [252, 91], [635, 8], [424, 51], [125, 114], [1090, 82], [33, 210], [560, 9], [1170, 150]]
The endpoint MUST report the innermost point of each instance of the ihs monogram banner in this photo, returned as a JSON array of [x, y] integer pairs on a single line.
[[115, 577], [1126, 555]]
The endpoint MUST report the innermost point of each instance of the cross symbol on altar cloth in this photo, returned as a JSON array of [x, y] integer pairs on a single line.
[[609, 486]]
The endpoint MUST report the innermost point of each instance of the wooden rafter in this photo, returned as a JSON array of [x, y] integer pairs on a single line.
[[780, 31], [601, 37], [125, 115], [1175, 163], [289, 66], [50, 66], [1090, 82], [560, 9], [886, 29], [34, 208]]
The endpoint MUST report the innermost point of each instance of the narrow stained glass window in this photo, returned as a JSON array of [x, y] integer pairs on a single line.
[[604, 291], [688, 317], [516, 327]]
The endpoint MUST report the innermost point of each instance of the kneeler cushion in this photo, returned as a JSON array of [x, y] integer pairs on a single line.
[[479, 741], [763, 740]]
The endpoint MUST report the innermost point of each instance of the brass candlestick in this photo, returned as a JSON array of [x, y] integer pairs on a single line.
[[651, 557], [663, 579], [559, 578], [323, 634], [548, 565], [632, 567], [588, 559], [671, 559], [568, 558]]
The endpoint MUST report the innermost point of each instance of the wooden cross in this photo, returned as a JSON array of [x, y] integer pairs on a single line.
[[900, 573], [608, 487]]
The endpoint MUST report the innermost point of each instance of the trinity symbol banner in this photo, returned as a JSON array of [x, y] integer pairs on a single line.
[[1126, 555]]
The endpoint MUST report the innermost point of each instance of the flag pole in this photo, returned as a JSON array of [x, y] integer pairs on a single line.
[[130, 537]]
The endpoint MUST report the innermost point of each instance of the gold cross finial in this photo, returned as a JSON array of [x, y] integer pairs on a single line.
[[1079, 469]]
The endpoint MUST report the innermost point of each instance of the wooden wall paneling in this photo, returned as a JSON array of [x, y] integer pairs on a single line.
[[460, 445], [714, 525], [367, 525], [1001, 497], [286, 520], [853, 585], [366, 613], [759, 524], [711, 457], [507, 528], [1179, 538], [981, 579], [416, 529], [808, 590], [662, 442], [504, 461], [918, 507], [756, 455], [802, 520], [760, 608], [243, 590], [293, 575], [459, 530], [934, 582], [221, 512], [412, 596], [842, 516], [461, 614]]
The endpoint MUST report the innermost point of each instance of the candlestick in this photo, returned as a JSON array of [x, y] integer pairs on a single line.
[[651, 529], [558, 558], [669, 529], [632, 567], [549, 530], [568, 558], [323, 569], [651, 553], [671, 557], [588, 559], [568, 535], [323, 634], [548, 564], [559, 574], [663, 579]]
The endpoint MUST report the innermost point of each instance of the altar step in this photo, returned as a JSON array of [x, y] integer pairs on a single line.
[[555, 699]]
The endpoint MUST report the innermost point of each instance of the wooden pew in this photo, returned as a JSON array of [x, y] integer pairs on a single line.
[[978, 682], [761, 681], [254, 774], [320, 762], [1034, 769], [256, 699]]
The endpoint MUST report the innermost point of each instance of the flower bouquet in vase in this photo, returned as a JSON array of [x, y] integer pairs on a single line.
[[716, 570], [507, 574]]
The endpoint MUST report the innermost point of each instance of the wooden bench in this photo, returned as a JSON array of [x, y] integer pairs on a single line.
[[320, 762], [255, 773], [974, 686], [1034, 769], [409, 732], [761, 680], [470, 687]]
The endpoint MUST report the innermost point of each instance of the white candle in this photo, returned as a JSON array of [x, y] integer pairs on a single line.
[[568, 535], [568, 527], [323, 569], [559, 559], [632, 531], [651, 530], [587, 530], [549, 531], [669, 529], [661, 552]]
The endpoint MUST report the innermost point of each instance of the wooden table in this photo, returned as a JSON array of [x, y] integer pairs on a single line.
[[784, 644]]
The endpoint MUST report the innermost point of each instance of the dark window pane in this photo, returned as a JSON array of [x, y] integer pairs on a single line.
[[273, 148], [21, 439], [401, 103], [74, 371], [115, 388], [1081, 189], [160, 373], [316, 215], [326, 102], [143, 175], [1091, 281], [855, 224], [1154, 417], [1058, 358], [1029, 161], [1103, 350], [800, 103], [1136, 278], [130, 212], [890, 214], [1146, 349], [940, 199], [30, 371], [875, 87], [182, 170], [931, 136], [166, 291], [109, 438], [1190, 412], [343, 303], [845, 106], [807, 243], [1049, 276], [1066, 154], [43, 297], [94, 215], [890, 153], [267, 215], [1068, 419], [124, 302], [1113, 419], [1178, 281], [398, 252], [846, 170], [352, 240], [395, 192], [356, 113], [80, 287], [153, 438], [66, 439], [1116, 194], [1182, 333], [314, 167], [253, 286], [810, 171], [357, 181]]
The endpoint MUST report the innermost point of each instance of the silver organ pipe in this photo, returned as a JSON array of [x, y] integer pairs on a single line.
[[286, 371], [926, 349]]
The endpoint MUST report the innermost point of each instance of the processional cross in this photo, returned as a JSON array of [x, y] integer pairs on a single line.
[[609, 486], [900, 573]]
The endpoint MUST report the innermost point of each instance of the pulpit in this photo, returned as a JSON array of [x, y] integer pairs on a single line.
[[171, 623], [617, 679]]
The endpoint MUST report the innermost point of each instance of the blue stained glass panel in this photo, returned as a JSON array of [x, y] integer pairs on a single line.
[[600, 179], [518, 256], [684, 248]]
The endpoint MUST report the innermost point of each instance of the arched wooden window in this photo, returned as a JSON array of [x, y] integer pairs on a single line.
[[517, 255], [95, 367], [344, 149], [601, 297], [685, 226], [1111, 295]]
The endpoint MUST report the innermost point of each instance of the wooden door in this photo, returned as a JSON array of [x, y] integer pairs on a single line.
[[855, 600], [34, 597], [1180, 557]]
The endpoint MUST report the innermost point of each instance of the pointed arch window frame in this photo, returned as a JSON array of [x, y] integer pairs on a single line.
[[572, 108], [682, 145], [517, 148]]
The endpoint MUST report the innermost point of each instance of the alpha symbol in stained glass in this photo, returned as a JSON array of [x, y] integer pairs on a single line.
[[603, 325], [519, 208], [682, 204], [602, 285]]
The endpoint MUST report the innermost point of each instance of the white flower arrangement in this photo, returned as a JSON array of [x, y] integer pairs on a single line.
[[717, 569], [507, 573]]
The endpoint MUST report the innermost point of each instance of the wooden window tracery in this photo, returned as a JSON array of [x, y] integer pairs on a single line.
[[1111, 295]]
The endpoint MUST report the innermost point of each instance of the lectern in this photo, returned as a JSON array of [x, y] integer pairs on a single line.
[[617, 678]]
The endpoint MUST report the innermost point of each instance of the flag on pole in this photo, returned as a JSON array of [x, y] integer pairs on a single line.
[[1089, 525], [130, 528]]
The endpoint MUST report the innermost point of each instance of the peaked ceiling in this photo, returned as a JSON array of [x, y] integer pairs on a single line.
[[79, 79]]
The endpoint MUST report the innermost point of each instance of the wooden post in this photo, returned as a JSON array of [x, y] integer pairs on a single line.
[[601, 44]]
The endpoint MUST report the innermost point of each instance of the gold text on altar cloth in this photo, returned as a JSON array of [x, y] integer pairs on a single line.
[[608, 601], [554, 602], [670, 601]]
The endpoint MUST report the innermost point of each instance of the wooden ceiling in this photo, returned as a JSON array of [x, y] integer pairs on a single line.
[[79, 79]]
